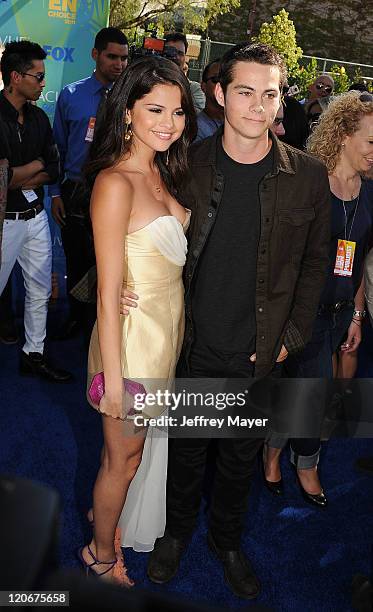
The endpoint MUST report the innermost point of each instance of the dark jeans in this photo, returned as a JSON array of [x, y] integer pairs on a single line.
[[235, 464], [315, 361], [78, 245]]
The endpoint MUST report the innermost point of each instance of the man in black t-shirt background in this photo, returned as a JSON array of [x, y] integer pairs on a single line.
[[257, 255], [33, 162]]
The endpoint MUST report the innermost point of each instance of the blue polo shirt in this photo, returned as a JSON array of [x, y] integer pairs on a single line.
[[206, 126], [76, 104]]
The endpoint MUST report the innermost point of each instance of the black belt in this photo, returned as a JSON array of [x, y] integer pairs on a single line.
[[333, 308], [25, 215]]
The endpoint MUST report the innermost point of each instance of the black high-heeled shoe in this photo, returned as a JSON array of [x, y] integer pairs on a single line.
[[316, 499], [119, 574], [275, 487], [88, 566]]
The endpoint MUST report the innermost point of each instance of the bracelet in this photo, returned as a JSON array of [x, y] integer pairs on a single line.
[[359, 313], [357, 322]]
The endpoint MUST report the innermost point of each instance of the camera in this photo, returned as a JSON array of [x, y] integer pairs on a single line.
[[154, 46]]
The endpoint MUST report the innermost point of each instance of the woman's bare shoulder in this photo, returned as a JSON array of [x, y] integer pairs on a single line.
[[112, 192], [113, 179]]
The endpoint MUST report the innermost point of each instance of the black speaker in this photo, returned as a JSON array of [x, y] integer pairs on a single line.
[[28, 533]]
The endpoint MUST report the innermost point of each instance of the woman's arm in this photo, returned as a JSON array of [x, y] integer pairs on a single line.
[[359, 297], [368, 283], [354, 331], [111, 204]]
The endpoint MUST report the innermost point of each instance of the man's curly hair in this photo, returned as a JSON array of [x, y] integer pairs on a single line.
[[341, 118]]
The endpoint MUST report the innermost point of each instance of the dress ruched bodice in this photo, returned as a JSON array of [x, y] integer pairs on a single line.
[[165, 233]]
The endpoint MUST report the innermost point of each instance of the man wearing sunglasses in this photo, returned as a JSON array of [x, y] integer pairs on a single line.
[[212, 117], [33, 161], [322, 87]]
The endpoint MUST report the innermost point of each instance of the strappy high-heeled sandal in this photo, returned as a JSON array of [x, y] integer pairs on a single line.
[[119, 574], [117, 536]]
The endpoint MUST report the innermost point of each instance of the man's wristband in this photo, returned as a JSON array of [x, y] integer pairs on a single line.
[[359, 314]]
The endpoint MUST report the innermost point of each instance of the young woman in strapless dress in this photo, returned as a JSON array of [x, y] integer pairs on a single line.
[[137, 159]]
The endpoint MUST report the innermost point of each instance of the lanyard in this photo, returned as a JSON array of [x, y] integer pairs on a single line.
[[353, 218]]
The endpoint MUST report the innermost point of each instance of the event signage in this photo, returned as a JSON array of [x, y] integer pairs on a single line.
[[66, 29]]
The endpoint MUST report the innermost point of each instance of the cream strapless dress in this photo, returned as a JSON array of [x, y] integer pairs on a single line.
[[152, 336]]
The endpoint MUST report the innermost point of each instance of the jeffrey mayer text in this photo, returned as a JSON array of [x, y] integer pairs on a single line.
[[198, 421]]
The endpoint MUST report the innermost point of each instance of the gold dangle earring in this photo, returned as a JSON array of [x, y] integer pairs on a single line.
[[128, 132]]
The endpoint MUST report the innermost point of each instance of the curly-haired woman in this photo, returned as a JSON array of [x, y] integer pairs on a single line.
[[343, 140]]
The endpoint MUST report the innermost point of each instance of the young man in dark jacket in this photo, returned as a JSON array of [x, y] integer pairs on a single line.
[[257, 255]]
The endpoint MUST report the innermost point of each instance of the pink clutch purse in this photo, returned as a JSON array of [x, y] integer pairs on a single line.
[[97, 389]]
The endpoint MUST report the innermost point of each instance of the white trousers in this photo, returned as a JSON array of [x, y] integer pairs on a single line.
[[29, 243]]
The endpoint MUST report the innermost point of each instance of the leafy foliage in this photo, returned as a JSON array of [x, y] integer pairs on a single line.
[[305, 76], [341, 79], [189, 15], [340, 29], [281, 34]]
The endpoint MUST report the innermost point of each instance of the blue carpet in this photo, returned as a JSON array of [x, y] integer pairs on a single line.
[[305, 558]]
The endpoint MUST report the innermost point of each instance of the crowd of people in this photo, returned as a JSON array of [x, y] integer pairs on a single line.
[[225, 228]]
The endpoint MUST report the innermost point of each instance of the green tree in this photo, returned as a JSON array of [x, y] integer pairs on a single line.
[[305, 75], [281, 34], [332, 28], [189, 15], [341, 79], [358, 77]]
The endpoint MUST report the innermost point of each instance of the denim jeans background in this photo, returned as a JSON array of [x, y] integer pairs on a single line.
[[315, 361]]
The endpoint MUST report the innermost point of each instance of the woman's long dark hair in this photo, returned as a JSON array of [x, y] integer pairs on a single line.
[[109, 147]]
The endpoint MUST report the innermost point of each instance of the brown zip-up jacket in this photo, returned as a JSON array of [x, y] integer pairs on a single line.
[[293, 246]]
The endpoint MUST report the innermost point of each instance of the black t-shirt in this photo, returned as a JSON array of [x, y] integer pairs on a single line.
[[340, 288], [224, 294]]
